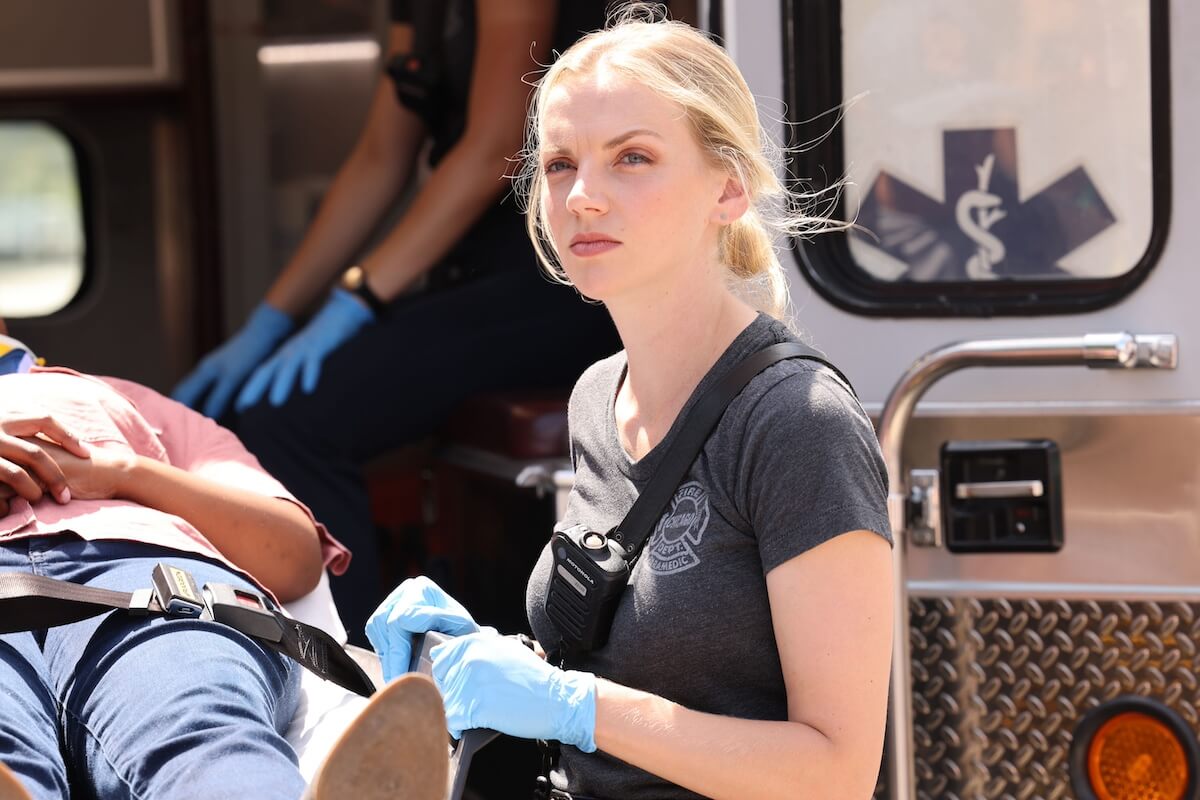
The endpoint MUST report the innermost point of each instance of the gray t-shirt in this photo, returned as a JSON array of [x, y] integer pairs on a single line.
[[793, 463]]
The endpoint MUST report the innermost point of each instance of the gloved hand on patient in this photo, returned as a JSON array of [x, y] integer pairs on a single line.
[[486, 680], [416, 606]]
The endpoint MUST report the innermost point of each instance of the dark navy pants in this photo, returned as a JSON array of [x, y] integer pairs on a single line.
[[397, 381], [121, 707]]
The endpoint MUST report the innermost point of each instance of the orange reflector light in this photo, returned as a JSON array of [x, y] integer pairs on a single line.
[[1135, 756]]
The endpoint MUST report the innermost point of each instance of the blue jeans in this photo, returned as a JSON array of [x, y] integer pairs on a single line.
[[124, 707]]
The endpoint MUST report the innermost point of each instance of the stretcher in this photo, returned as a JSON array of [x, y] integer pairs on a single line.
[[326, 710]]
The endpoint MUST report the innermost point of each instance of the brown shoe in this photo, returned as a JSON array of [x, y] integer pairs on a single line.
[[396, 748], [10, 787]]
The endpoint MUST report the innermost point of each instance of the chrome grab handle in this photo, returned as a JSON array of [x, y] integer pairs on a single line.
[[1113, 350], [995, 490]]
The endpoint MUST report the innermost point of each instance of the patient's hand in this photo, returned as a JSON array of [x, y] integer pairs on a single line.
[[99, 476], [26, 469]]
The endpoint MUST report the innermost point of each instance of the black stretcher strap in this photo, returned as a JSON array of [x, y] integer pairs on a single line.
[[322, 654], [32, 602]]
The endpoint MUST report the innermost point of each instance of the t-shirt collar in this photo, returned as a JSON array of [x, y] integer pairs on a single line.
[[758, 334]]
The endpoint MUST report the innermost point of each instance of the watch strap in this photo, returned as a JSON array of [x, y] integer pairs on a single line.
[[354, 280]]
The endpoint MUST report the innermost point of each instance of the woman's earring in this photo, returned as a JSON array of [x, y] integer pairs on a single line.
[[723, 217]]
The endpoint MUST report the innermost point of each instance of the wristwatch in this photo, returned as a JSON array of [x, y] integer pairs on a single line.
[[354, 280]]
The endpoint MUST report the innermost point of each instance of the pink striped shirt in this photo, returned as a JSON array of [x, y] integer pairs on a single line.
[[113, 413]]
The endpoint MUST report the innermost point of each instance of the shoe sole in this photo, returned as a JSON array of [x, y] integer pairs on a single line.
[[396, 748]]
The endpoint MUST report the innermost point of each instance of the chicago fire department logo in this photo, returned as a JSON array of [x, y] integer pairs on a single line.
[[673, 546]]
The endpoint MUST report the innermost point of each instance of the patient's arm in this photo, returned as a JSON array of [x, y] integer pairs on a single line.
[[271, 538]]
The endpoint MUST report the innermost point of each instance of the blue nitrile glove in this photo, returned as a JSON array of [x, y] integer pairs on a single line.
[[418, 605], [497, 682], [339, 319], [221, 372]]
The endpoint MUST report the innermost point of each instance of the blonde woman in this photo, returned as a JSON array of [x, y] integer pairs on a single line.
[[749, 654]]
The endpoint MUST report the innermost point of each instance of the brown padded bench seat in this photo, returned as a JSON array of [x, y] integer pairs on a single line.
[[519, 425]]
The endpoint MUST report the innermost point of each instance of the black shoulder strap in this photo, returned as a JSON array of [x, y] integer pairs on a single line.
[[635, 529]]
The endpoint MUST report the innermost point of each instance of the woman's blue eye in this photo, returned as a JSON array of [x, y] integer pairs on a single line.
[[553, 166], [635, 158]]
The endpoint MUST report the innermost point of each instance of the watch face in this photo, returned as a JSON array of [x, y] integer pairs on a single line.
[[352, 278]]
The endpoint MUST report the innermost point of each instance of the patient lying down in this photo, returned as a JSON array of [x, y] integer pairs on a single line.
[[102, 479]]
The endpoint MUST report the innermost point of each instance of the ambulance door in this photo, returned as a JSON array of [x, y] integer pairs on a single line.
[[105, 202]]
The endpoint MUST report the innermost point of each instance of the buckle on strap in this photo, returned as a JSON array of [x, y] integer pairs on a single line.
[[248, 612], [29, 602], [176, 592], [257, 617]]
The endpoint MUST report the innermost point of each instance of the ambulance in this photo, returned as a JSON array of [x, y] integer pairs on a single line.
[[1013, 299]]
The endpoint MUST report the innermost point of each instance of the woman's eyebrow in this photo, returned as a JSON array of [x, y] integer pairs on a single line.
[[624, 137], [616, 141]]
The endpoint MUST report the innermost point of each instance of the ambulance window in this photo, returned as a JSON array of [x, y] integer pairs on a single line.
[[999, 156], [42, 247]]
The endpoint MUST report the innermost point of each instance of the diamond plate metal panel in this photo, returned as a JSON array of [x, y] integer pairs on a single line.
[[1000, 684]]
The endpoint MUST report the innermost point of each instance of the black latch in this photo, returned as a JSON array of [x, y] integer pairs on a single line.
[[1002, 496]]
